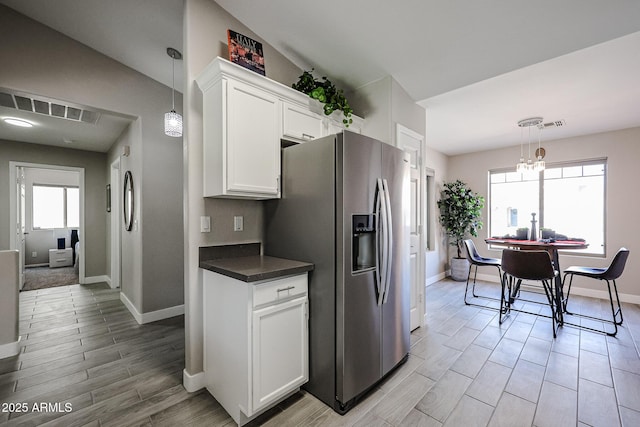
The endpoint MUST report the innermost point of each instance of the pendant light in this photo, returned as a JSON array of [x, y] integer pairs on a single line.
[[539, 164], [173, 120], [529, 166]]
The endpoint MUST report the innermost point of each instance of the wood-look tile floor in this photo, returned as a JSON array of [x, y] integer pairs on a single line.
[[81, 348]]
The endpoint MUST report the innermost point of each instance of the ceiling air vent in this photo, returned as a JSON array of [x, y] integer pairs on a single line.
[[23, 103], [41, 107], [48, 107], [554, 124], [6, 100]]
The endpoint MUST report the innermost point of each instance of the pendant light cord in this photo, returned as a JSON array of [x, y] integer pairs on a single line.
[[529, 142], [173, 78]]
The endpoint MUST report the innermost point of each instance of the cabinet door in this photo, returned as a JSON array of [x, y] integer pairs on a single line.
[[280, 351], [253, 141], [301, 124]]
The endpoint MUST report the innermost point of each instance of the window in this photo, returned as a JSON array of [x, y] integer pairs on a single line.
[[431, 215], [567, 198], [56, 207]]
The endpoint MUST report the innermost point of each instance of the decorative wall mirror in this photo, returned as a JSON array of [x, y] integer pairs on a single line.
[[128, 201]]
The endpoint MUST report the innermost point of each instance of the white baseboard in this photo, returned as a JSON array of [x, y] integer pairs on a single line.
[[97, 279], [585, 292], [193, 382], [433, 279], [632, 299], [152, 316], [494, 278], [10, 349]]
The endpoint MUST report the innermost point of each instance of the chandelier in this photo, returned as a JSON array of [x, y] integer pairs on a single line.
[[530, 165]]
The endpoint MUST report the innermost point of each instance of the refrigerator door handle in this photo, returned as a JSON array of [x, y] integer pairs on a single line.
[[379, 242], [389, 246]]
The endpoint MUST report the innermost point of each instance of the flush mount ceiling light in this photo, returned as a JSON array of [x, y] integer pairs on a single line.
[[18, 122], [173, 120], [530, 166]]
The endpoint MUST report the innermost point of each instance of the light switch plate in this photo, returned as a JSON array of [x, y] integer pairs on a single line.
[[238, 223], [205, 224]]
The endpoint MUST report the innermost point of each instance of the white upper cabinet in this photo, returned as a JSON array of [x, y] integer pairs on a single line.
[[301, 124], [245, 115], [253, 142]]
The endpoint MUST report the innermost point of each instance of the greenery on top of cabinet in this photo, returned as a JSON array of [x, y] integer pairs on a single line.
[[327, 93]]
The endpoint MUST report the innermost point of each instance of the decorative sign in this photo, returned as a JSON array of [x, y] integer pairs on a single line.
[[246, 52]]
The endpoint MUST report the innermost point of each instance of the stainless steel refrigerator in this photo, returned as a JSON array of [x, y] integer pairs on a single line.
[[344, 207]]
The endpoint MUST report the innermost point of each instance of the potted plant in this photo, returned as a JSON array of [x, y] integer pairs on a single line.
[[327, 93], [460, 212]]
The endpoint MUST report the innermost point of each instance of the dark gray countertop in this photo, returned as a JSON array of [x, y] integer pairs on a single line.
[[254, 268]]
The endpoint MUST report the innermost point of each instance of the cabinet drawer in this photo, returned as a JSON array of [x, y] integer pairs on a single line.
[[279, 290], [60, 257]]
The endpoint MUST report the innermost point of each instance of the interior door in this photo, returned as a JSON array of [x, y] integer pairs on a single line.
[[411, 142]]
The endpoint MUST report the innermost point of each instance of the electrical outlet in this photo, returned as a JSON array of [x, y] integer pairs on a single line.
[[238, 223], [34, 254]]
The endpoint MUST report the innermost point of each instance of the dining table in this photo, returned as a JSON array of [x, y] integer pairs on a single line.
[[552, 246]]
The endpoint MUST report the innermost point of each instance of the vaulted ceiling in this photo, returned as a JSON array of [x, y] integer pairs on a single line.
[[477, 67]]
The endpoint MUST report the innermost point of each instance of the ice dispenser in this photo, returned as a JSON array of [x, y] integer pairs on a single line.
[[364, 242]]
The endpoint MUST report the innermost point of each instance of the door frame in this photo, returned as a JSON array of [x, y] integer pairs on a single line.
[[13, 220], [115, 270], [404, 138]]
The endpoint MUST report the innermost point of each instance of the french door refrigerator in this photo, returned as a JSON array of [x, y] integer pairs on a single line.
[[344, 207]]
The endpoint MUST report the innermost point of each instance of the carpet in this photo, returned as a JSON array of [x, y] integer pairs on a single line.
[[45, 277]]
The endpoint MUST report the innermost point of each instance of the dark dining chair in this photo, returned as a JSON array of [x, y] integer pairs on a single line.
[[475, 260], [519, 265], [609, 275]]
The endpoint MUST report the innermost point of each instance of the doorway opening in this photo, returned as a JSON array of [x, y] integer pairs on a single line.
[[47, 213]]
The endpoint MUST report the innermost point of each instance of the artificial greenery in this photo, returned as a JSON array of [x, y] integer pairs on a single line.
[[460, 212], [325, 92]]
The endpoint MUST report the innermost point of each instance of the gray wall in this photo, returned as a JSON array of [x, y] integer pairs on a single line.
[[95, 181], [383, 104], [438, 254], [87, 77], [622, 150], [205, 37], [9, 282]]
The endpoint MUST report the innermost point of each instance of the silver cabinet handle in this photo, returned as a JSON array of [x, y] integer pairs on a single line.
[[288, 288], [307, 136]]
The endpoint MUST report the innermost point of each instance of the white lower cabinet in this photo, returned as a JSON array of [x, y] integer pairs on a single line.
[[256, 341]]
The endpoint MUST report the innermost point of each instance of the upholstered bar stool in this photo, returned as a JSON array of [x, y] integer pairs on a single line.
[[475, 260], [609, 275]]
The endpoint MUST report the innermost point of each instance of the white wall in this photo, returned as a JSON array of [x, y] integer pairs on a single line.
[[622, 150]]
